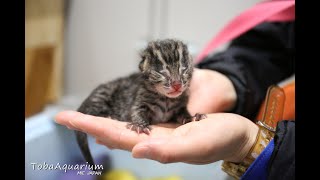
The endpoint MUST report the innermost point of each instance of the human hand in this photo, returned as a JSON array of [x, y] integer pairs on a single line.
[[210, 91], [221, 136]]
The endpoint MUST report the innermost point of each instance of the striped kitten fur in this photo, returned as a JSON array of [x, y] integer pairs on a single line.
[[156, 94]]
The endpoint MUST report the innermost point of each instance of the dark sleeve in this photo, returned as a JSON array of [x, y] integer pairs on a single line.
[[259, 58], [282, 161]]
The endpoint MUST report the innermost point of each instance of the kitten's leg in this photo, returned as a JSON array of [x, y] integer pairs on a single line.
[[183, 116], [139, 119]]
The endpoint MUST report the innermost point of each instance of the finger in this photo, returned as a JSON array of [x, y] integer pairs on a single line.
[[87, 123], [73, 128], [165, 150], [99, 141], [114, 133], [60, 119]]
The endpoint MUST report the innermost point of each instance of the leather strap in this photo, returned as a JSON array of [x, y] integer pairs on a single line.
[[289, 105], [274, 107]]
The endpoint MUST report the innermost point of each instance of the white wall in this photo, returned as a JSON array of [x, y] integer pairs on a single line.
[[102, 37]]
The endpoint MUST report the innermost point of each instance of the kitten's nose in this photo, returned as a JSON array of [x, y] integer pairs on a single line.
[[176, 85]]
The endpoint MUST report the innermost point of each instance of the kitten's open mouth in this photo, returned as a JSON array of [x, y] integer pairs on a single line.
[[174, 93]]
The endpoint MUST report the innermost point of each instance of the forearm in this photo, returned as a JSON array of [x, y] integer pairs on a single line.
[[253, 62]]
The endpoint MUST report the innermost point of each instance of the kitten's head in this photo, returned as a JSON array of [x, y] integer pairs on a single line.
[[167, 66]]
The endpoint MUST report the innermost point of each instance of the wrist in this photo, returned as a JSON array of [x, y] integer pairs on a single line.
[[239, 167], [273, 110], [250, 138]]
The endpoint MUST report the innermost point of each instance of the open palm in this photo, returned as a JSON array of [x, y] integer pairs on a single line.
[[219, 136]]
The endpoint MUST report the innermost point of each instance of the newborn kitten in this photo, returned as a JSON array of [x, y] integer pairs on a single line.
[[156, 94]]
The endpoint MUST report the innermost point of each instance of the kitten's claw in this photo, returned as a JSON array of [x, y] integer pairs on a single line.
[[184, 120], [198, 117], [146, 130], [139, 128]]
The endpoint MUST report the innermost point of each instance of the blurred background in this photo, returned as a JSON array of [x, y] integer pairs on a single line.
[[74, 45]]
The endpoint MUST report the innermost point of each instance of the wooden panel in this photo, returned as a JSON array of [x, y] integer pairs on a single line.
[[44, 28], [40, 64], [44, 22]]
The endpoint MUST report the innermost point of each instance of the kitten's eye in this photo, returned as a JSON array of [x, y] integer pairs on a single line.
[[165, 73], [155, 73], [162, 71], [155, 77], [182, 69], [185, 77]]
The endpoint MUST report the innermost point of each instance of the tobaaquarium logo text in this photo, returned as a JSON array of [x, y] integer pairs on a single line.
[[82, 169]]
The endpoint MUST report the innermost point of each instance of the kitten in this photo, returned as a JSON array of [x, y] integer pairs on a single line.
[[156, 94]]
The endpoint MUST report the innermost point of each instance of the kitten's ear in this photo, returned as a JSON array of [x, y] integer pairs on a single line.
[[144, 64]]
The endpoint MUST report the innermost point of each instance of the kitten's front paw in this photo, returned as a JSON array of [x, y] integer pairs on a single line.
[[198, 117], [139, 127], [184, 120]]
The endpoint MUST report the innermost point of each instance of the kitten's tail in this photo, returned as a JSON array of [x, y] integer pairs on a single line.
[[84, 146]]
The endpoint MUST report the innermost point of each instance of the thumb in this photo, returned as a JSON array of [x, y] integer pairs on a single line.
[[164, 150]]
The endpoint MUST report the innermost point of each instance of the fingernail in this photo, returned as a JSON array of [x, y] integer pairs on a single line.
[[142, 152]]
